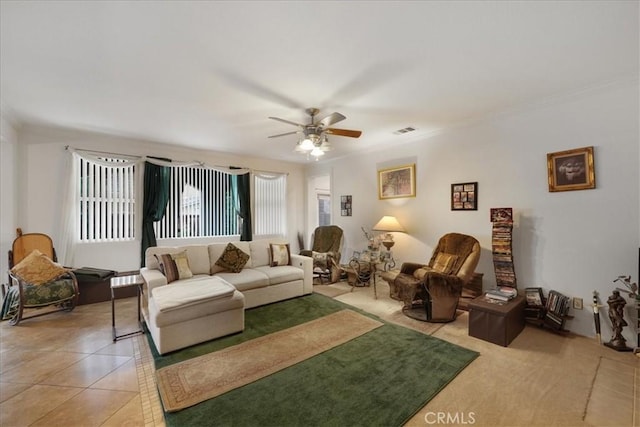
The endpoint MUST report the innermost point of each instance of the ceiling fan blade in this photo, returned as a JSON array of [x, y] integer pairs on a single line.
[[344, 132], [286, 121], [331, 119], [285, 134]]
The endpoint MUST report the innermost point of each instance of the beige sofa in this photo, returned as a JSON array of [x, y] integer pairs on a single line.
[[207, 308]]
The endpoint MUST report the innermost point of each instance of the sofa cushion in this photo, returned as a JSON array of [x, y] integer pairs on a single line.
[[198, 256], [191, 292], [249, 278], [282, 274], [259, 251], [280, 254], [232, 259]]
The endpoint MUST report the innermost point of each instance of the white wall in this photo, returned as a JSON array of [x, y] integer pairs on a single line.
[[42, 174], [574, 242], [8, 206]]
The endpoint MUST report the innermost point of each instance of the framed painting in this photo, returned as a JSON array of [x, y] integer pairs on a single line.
[[397, 182], [464, 196], [501, 215], [571, 170]]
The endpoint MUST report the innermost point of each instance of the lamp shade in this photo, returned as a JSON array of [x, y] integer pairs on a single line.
[[388, 223]]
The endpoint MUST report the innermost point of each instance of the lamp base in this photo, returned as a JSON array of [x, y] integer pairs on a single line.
[[388, 244]]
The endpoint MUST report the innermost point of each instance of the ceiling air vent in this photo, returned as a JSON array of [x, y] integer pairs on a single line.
[[405, 130]]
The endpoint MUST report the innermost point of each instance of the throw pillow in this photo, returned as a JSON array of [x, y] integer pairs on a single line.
[[182, 265], [232, 259], [445, 263], [38, 269], [168, 267], [280, 254]]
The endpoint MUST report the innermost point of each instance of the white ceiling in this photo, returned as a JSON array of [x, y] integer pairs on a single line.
[[209, 74]]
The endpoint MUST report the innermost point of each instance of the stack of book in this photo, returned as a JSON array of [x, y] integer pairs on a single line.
[[502, 254], [557, 308], [502, 293]]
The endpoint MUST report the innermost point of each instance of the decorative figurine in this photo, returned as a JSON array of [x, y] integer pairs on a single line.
[[632, 288], [616, 314]]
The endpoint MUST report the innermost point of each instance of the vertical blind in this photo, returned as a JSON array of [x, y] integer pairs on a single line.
[[200, 204], [106, 200], [270, 204]]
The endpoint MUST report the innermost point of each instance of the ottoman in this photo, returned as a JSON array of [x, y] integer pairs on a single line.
[[496, 323], [189, 313]]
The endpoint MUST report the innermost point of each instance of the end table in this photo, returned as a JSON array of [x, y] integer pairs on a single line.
[[121, 282]]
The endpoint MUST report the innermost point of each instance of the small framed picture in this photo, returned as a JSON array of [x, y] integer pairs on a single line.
[[501, 215], [571, 170], [464, 196], [534, 297], [345, 206]]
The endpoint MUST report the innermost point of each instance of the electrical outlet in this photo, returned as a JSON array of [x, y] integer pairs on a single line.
[[577, 303]]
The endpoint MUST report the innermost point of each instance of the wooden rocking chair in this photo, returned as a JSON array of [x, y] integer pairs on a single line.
[[61, 291]]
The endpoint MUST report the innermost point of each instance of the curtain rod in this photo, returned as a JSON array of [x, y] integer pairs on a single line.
[[67, 147]]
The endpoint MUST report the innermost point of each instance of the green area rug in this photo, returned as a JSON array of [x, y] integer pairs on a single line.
[[381, 378]]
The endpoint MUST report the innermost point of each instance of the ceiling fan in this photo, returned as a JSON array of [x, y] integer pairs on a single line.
[[315, 140]]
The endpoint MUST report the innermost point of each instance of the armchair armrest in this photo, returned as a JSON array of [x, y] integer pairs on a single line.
[[410, 267], [439, 283]]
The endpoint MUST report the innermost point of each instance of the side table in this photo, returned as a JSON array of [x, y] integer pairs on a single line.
[[122, 282], [364, 267], [496, 322]]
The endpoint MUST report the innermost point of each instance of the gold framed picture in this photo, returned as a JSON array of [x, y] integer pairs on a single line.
[[571, 170], [397, 182]]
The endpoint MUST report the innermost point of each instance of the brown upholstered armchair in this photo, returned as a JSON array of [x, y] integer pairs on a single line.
[[326, 251], [431, 292]]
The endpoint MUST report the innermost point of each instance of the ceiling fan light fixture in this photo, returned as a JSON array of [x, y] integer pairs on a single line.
[[317, 152], [306, 144], [315, 141]]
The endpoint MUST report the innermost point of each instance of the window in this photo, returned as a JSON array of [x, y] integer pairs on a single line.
[[324, 209], [200, 204], [270, 205], [106, 199]]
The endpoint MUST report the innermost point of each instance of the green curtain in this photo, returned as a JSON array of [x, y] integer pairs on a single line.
[[241, 192], [156, 196]]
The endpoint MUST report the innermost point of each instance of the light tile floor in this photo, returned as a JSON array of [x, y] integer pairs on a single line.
[[64, 369]]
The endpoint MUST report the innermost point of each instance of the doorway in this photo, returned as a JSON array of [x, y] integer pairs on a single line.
[[318, 203]]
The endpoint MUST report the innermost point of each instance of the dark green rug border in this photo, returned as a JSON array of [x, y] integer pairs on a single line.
[[390, 357]]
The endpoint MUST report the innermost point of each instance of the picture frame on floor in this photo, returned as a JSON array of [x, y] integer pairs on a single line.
[[534, 297]]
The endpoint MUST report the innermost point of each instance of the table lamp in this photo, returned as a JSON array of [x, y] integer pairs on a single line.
[[388, 224]]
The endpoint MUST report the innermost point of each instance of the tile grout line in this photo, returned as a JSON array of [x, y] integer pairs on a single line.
[[151, 407]]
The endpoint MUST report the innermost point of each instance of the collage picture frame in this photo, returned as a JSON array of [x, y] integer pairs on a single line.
[[464, 196]]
